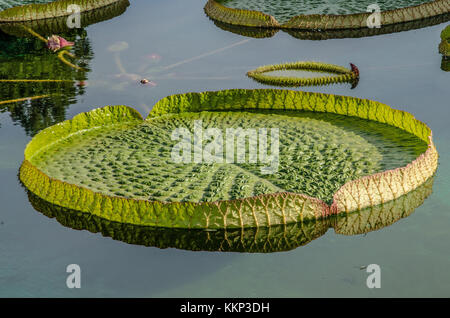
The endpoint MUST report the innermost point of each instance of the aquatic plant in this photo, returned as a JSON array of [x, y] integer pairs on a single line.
[[6, 4], [254, 18], [58, 25], [246, 240], [56, 42], [98, 134], [50, 10], [257, 32], [343, 75], [444, 46]]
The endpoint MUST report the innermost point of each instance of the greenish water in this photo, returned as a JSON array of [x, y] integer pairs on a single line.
[[283, 10], [191, 54]]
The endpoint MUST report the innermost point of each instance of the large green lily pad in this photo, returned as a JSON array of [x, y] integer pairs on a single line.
[[37, 10], [6, 4], [284, 10], [328, 149], [58, 24], [309, 34], [322, 15]]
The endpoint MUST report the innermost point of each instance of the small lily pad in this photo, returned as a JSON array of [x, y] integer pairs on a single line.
[[305, 74]]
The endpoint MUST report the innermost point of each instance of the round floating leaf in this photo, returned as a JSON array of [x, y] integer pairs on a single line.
[[258, 32], [58, 25], [6, 4], [284, 10], [305, 15], [331, 150], [304, 74], [54, 9]]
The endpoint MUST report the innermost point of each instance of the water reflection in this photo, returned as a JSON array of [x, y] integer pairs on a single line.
[[50, 86], [445, 64], [260, 240]]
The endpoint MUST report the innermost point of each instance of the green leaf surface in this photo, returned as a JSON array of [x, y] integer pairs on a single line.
[[265, 14], [318, 153], [286, 9], [53, 9]]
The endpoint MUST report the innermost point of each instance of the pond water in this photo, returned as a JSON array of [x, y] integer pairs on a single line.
[[175, 46]]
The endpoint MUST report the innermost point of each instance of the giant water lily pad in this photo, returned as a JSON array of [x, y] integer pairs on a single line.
[[320, 150], [311, 34], [48, 10], [321, 15], [58, 24], [6, 4], [284, 10]]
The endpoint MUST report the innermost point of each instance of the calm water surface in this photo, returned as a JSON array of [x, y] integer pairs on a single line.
[[176, 46]]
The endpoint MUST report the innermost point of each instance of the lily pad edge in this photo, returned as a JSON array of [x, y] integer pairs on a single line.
[[264, 210]]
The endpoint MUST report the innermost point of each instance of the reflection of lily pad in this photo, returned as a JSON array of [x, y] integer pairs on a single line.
[[306, 15], [304, 74], [445, 64], [58, 25], [251, 240], [112, 164]]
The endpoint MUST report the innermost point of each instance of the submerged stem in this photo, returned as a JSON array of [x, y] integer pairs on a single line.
[[62, 58], [23, 99]]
